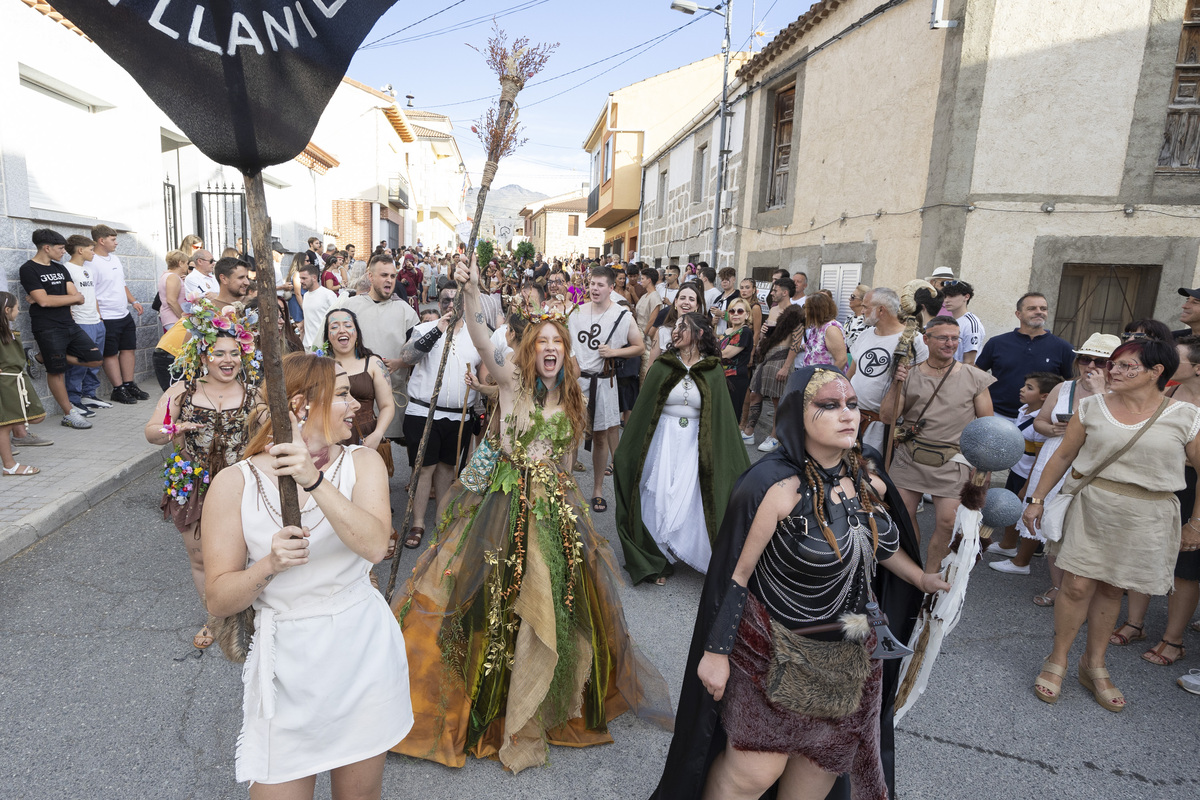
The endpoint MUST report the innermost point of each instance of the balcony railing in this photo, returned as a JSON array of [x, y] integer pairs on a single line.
[[593, 201], [398, 191]]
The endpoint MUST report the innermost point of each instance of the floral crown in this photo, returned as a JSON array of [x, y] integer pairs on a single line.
[[204, 324], [547, 314]]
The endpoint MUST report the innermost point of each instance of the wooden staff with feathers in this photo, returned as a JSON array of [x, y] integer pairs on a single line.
[[499, 132], [904, 353]]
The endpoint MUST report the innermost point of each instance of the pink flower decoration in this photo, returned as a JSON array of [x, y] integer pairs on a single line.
[[220, 322]]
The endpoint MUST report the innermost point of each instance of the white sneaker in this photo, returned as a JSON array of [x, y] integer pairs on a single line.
[[747, 437], [75, 420], [1191, 681], [995, 549], [83, 411], [94, 402], [1008, 566], [768, 444]]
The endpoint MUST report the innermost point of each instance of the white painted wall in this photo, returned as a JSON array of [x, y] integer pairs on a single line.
[[1061, 74]]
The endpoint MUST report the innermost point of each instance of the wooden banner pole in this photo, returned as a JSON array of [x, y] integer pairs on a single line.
[[269, 341]]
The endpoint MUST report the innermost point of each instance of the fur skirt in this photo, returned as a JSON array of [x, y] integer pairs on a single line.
[[847, 745]]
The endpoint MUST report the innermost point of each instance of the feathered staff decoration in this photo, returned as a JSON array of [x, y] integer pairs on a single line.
[[499, 132]]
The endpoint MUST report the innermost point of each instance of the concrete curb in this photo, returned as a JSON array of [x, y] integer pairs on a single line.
[[38, 524]]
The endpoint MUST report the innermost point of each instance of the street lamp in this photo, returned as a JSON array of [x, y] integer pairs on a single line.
[[725, 10]]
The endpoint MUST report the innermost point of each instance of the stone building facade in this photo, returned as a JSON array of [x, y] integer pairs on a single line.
[[557, 227], [1030, 145]]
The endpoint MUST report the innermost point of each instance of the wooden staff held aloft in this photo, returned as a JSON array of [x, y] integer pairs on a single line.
[[499, 132], [269, 343]]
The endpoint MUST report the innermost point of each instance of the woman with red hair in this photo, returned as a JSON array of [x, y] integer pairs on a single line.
[[512, 617]]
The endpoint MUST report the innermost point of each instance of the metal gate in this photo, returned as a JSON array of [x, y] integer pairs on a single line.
[[171, 214], [221, 217]]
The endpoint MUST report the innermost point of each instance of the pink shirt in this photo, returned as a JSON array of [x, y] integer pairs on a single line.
[[165, 314]]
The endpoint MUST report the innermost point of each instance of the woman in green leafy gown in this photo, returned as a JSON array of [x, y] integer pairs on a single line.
[[512, 618]]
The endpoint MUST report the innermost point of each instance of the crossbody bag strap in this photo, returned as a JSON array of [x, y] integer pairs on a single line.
[[937, 389], [620, 316], [1133, 439]]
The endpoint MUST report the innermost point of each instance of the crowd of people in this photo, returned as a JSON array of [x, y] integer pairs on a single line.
[[509, 635]]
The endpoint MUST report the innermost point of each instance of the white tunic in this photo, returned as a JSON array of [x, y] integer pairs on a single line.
[[326, 681]]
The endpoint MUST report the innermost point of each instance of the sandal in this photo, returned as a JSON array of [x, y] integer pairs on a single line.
[[1194, 627], [19, 470], [203, 638], [608, 470], [393, 540], [661, 580], [599, 505], [1046, 691], [1109, 699], [579, 467], [1155, 654], [1120, 640], [1044, 600], [413, 540]]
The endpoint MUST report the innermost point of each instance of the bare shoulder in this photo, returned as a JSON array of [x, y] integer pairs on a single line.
[[783, 492], [228, 482]]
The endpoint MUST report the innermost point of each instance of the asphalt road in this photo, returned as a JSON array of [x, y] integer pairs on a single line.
[[101, 695]]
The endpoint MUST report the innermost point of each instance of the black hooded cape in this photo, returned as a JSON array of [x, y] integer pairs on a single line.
[[699, 736]]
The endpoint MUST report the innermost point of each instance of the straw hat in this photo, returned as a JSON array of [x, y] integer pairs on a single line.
[[942, 273], [1100, 345]]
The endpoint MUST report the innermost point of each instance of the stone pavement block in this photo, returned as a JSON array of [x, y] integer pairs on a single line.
[[79, 470]]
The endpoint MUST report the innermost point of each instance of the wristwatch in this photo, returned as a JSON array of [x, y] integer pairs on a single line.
[[1033, 501]]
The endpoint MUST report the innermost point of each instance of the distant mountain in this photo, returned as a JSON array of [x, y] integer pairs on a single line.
[[505, 201]]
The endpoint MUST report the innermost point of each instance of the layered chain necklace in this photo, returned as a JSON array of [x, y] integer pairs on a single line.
[[274, 513]]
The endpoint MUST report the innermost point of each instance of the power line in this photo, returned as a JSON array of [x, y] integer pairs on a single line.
[[602, 74], [413, 25], [653, 41], [458, 26], [754, 25]]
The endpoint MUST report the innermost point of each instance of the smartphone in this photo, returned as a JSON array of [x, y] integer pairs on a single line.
[[1063, 417]]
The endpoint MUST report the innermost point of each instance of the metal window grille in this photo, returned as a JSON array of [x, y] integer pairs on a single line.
[[221, 216]]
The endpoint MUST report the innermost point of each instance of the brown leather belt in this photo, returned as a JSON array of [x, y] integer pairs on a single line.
[[1123, 489]]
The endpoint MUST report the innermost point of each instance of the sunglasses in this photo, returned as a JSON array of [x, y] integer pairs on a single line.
[[1099, 362], [1125, 337]]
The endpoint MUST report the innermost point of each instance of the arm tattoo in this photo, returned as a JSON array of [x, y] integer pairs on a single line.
[[409, 354], [479, 317], [499, 356]]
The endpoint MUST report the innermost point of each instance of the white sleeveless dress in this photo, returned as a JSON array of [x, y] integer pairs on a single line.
[[326, 681]]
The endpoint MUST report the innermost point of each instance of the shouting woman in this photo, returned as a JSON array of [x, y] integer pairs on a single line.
[[512, 617]]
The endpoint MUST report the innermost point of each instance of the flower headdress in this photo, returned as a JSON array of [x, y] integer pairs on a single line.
[[546, 314], [203, 324]]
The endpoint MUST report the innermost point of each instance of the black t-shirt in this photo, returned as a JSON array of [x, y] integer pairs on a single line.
[[53, 280]]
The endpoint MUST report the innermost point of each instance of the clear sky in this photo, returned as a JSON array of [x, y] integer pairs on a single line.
[[432, 61]]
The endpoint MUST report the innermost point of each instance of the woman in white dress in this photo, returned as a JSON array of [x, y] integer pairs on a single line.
[[326, 680], [678, 458]]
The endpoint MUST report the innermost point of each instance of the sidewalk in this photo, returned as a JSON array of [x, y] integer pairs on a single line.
[[77, 472]]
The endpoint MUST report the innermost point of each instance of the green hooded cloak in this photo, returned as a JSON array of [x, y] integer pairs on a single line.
[[722, 457]]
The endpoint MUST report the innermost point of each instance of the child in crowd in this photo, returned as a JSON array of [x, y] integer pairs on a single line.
[[429, 315], [1033, 394], [19, 402]]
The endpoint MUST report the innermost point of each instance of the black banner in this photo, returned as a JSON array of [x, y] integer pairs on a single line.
[[245, 80]]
